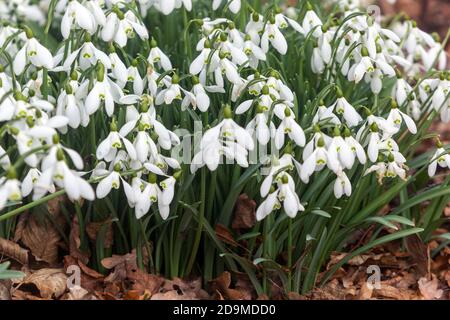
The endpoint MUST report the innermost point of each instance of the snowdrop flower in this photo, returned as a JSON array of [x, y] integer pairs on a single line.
[[108, 148], [9, 189], [156, 56], [284, 21], [380, 168], [147, 120], [258, 125], [435, 53], [173, 92], [228, 139], [416, 37], [395, 168], [202, 60], [167, 6], [282, 90], [253, 52], [228, 68], [87, 56], [197, 98], [317, 160], [310, 146], [355, 146], [149, 196], [341, 106], [32, 52], [342, 185], [382, 124], [104, 92], [290, 127], [278, 168], [311, 21], [5, 161], [135, 78], [440, 99], [441, 157], [373, 148], [233, 5], [72, 108], [59, 173], [273, 36], [340, 150], [317, 62], [271, 203], [113, 181], [323, 113], [118, 69], [119, 27], [401, 90], [255, 27], [372, 69], [144, 146], [166, 196], [76, 15], [30, 181], [396, 117], [287, 195]]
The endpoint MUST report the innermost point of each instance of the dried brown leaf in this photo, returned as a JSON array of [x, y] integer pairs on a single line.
[[75, 242], [42, 239], [173, 295], [221, 285], [5, 291], [51, 283], [225, 235], [430, 288], [93, 228], [142, 281], [365, 293], [391, 292], [244, 213], [13, 251], [186, 287]]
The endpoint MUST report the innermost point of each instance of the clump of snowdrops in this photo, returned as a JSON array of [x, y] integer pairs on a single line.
[[156, 115]]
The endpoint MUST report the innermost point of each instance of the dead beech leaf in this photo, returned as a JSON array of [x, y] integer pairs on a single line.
[[225, 235], [221, 285], [365, 293], [430, 288], [5, 292], [186, 287], [42, 239], [173, 295], [13, 251], [93, 228], [143, 281], [119, 264], [51, 283], [244, 213], [75, 242], [387, 291]]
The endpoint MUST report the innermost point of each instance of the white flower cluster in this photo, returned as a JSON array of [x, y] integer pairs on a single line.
[[100, 84], [24, 10]]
